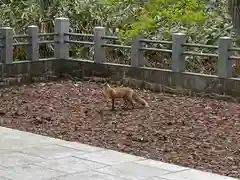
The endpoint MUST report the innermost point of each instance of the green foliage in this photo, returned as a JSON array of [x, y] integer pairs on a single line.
[[130, 16], [203, 22], [152, 15]]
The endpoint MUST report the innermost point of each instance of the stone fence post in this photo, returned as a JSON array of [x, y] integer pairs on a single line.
[[137, 55], [33, 48], [99, 50], [178, 58], [224, 65], [61, 48], [6, 45]]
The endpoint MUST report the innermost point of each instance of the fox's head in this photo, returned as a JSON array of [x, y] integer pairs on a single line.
[[107, 89], [108, 86]]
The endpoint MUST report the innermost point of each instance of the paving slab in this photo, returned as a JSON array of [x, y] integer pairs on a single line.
[[52, 151], [156, 178], [90, 175], [81, 146], [109, 157], [133, 170], [3, 151], [29, 172], [3, 178], [27, 156], [71, 164], [10, 159], [161, 165], [16, 140], [9, 133], [193, 174]]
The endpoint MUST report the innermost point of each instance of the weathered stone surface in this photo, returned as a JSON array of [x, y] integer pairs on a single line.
[[22, 159], [91, 175], [29, 172], [193, 174], [10, 159], [132, 170], [109, 157], [82, 68], [161, 165], [80, 146], [71, 164], [52, 151]]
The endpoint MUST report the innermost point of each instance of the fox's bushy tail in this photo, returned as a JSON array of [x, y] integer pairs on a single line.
[[140, 100]]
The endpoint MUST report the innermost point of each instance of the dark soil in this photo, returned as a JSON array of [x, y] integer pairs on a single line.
[[196, 132]]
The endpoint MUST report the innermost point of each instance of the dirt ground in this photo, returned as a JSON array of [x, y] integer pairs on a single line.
[[196, 132]]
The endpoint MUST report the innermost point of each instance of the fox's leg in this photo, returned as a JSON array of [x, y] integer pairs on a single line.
[[125, 100], [130, 100], [132, 103], [113, 102]]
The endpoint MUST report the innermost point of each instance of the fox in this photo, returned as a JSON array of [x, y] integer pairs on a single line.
[[125, 93]]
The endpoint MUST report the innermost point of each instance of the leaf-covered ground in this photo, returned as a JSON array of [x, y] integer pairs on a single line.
[[191, 131]]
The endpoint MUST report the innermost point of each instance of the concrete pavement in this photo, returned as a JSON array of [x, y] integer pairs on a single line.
[[27, 156]]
